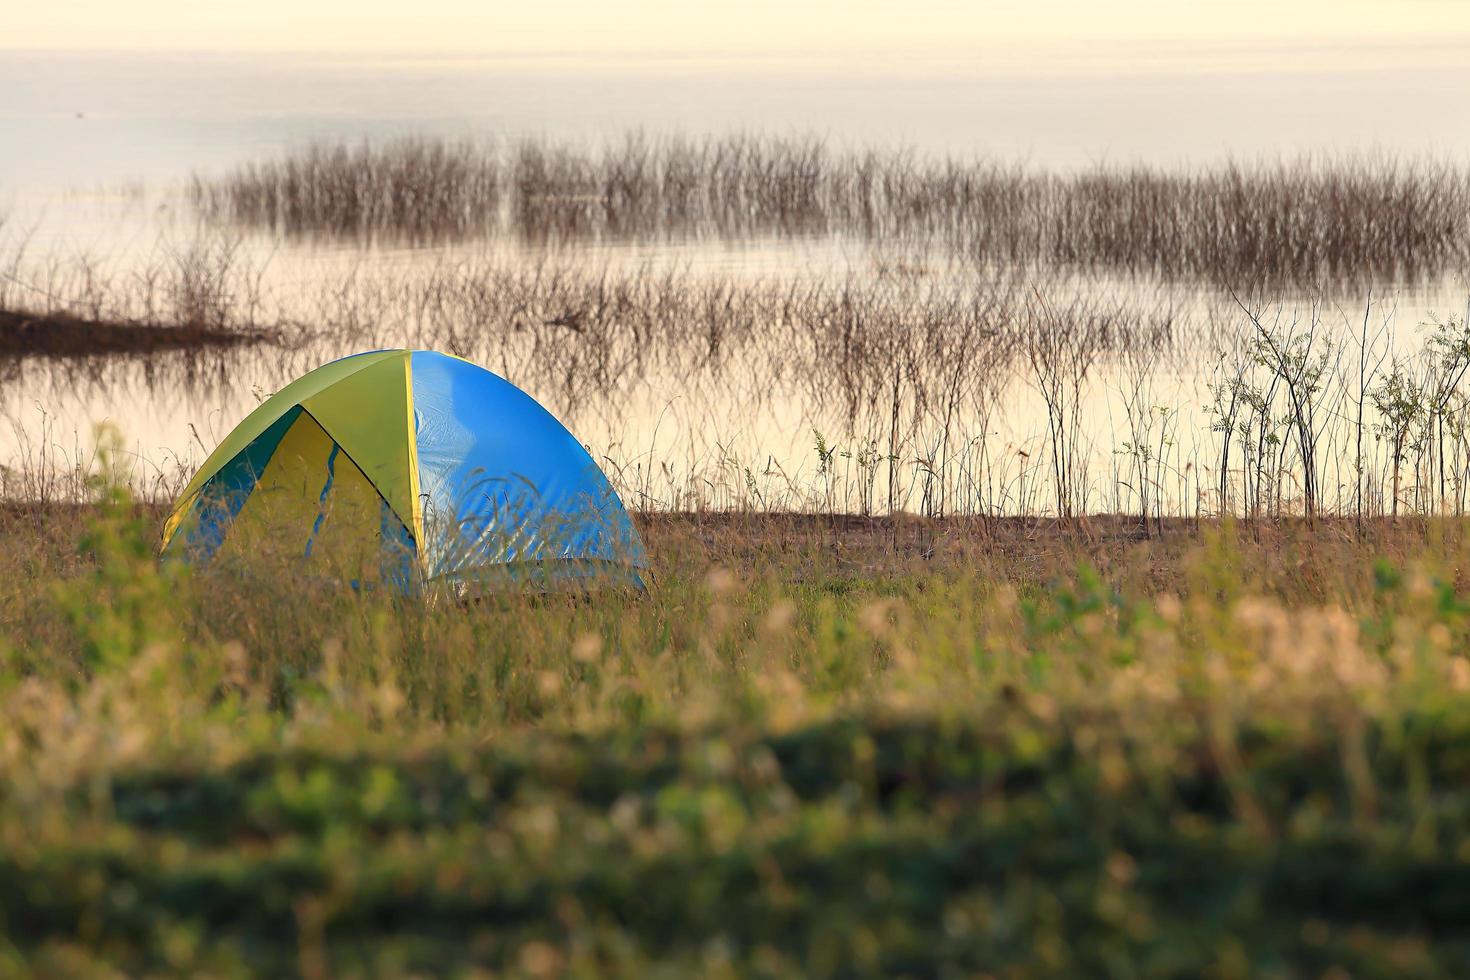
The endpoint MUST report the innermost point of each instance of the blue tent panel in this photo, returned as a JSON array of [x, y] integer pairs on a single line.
[[502, 481]]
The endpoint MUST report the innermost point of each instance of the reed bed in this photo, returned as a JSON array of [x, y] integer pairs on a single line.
[[419, 189], [1305, 222], [891, 391]]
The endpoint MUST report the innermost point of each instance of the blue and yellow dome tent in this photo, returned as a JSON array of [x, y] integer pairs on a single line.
[[407, 469]]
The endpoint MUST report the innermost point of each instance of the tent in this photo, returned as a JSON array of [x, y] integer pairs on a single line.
[[405, 469]]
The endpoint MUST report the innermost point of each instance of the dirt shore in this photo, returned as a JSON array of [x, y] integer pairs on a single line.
[[24, 334]]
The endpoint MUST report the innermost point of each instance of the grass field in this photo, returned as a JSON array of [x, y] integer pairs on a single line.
[[818, 746]]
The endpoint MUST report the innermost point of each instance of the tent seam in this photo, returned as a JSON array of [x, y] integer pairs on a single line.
[[414, 488]]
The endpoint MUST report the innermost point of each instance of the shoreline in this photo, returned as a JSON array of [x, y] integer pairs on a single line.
[[25, 335]]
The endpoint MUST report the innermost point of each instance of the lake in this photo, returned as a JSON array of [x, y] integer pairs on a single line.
[[708, 362]]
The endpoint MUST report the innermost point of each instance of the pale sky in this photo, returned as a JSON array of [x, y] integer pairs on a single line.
[[536, 27]]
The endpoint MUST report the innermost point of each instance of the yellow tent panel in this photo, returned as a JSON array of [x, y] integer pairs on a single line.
[[311, 501]]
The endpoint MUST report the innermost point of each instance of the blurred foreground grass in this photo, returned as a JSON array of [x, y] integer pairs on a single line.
[[818, 747]]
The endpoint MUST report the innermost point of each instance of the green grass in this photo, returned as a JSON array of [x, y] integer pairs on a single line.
[[811, 750]]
